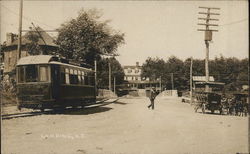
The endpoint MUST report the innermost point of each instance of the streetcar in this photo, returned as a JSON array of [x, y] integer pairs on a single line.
[[50, 82]]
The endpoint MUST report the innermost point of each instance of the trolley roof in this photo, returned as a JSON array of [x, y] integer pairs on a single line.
[[46, 59], [40, 59]]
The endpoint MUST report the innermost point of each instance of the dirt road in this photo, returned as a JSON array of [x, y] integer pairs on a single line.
[[127, 127]]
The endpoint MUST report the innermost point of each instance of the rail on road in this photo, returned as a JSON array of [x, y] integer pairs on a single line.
[[99, 103]]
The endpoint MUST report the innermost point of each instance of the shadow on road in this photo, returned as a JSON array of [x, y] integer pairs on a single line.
[[68, 111], [120, 103], [85, 111]]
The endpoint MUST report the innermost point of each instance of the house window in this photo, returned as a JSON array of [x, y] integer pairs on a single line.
[[9, 62], [129, 70]]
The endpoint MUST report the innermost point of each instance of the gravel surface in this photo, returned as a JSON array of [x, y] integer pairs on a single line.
[[127, 127]]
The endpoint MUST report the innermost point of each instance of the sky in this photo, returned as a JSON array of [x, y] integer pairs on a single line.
[[152, 28]]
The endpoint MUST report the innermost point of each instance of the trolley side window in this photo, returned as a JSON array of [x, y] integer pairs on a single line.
[[73, 79], [82, 78], [92, 80], [62, 75], [67, 76], [31, 73], [43, 73], [86, 79], [79, 77]]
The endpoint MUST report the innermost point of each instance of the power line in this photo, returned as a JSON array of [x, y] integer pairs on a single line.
[[235, 22], [9, 24], [27, 18]]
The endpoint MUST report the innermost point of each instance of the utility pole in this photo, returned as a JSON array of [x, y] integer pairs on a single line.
[[208, 34], [110, 88], [160, 85], [96, 77], [20, 30], [191, 81], [114, 84], [172, 80]]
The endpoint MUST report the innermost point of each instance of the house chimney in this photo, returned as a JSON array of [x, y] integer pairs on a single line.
[[137, 63], [9, 38]]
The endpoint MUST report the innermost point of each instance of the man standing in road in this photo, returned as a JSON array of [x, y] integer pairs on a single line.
[[153, 94]]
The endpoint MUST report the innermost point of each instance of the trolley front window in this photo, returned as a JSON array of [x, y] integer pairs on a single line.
[[33, 73], [43, 74], [21, 73]]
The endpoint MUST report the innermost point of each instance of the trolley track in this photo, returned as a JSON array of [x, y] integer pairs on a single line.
[[50, 111]]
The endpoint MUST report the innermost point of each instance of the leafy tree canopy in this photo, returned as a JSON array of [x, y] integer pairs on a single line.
[[86, 37], [232, 71], [33, 47], [103, 72]]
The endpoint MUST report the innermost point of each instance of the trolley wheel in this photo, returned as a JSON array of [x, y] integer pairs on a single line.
[[19, 107], [42, 109], [212, 111]]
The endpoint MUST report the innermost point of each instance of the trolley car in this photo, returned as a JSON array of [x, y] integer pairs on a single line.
[[49, 82]]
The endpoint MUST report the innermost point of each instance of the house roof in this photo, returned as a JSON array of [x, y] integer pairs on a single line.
[[45, 40], [132, 67]]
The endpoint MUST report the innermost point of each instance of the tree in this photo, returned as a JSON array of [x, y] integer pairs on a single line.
[[176, 66], [232, 71], [33, 47], [153, 68], [103, 72], [86, 37]]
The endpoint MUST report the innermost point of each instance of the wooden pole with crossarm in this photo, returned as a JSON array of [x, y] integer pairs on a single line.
[[19, 45], [208, 33]]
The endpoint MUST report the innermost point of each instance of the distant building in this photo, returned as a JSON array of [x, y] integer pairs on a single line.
[[132, 73], [199, 83], [134, 79], [202, 78], [45, 42]]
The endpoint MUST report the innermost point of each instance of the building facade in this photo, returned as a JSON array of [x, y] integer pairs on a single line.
[[132, 73], [45, 42], [134, 79]]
